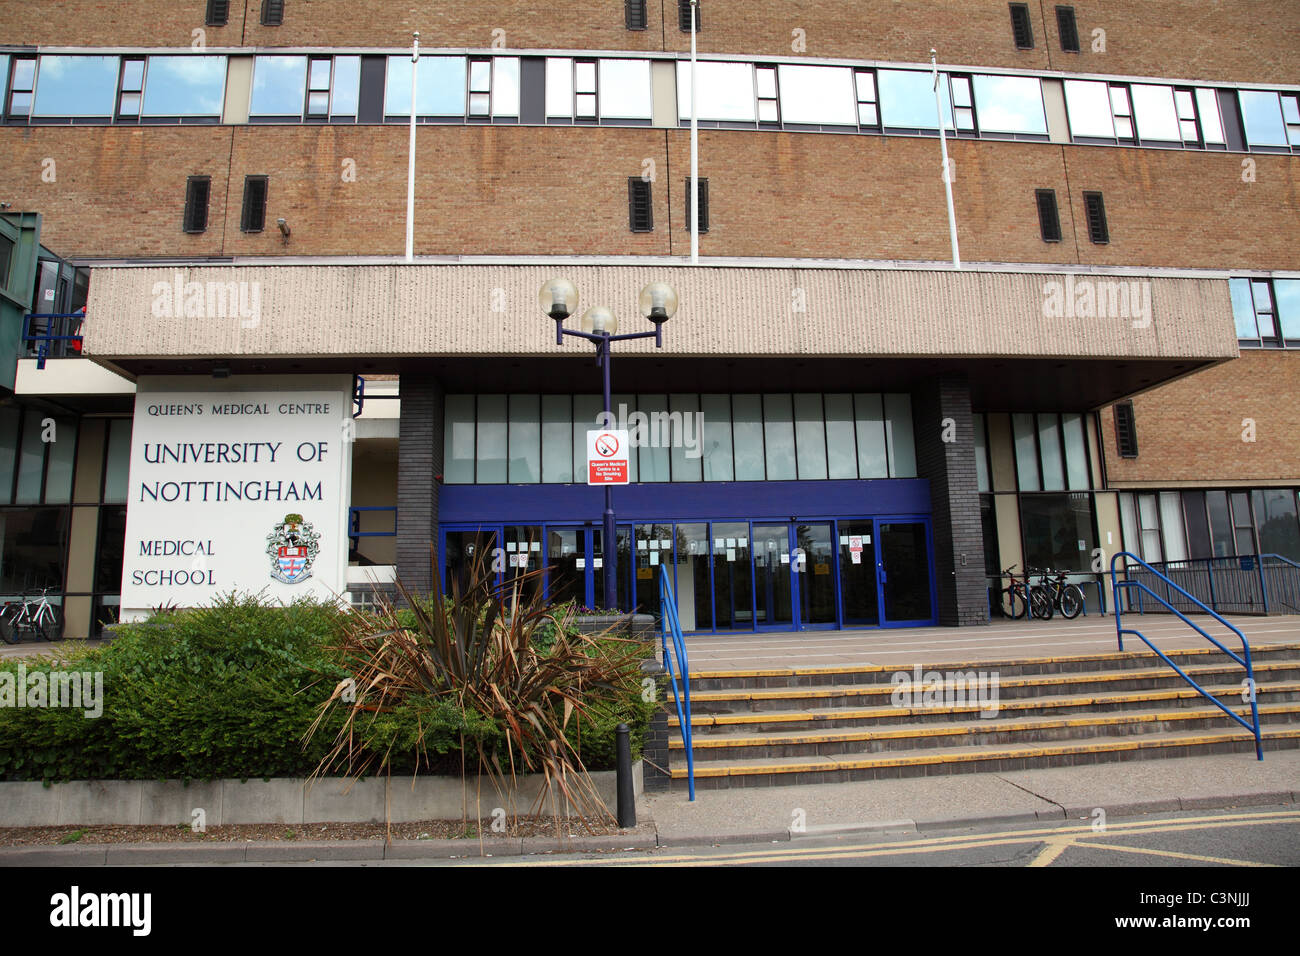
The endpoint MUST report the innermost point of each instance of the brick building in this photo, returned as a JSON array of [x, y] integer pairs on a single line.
[[854, 432]]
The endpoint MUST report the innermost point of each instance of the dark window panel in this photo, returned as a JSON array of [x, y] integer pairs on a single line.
[[635, 12], [370, 99], [254, 216], [640, 212], [272, 13], [704, 204], [1095, 209], [1049, 219], [196, 203], [684, 16], [218, 13], [1198, 525], [1021, 27], [1126, 430], [532, 90], [1233, 131], [1068, 29]]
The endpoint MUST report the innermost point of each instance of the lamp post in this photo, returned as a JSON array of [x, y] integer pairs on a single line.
[[658, 303]]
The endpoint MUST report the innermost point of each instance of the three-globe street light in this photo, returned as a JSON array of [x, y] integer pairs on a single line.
[[658, 303]]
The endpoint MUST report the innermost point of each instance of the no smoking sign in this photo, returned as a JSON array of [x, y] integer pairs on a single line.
[[607, 451]]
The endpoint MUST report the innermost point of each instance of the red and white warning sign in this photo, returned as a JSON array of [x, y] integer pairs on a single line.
[[855, 548], [607, 452]]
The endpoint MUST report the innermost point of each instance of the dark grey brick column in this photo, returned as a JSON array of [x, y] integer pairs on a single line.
[[419, 458], [954, 498]]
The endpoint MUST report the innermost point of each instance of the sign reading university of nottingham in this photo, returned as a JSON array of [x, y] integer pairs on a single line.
[[238, 484]]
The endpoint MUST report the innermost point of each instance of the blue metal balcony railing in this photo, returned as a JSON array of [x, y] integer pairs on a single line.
[[52, 335], [1245, 584], [354, 523]]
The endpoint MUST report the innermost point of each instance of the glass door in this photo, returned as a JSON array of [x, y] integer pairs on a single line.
[[858, 573], [692, 585], [566, 559], [904, 571], [772, 576], [733, 576], [814, 574]]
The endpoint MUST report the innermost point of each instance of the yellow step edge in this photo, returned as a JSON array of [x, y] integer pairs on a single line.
[[830, 764], [1019, 703], [1011, 662], [1036, 680], [949, 730]]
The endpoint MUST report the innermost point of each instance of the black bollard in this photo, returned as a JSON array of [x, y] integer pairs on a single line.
[[626, 797]]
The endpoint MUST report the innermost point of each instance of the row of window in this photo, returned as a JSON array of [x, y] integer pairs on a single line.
[[1266, 312], [60, 88], [1177, 526], [530, 439], [1051, 452], [38, 454], [218, 13]]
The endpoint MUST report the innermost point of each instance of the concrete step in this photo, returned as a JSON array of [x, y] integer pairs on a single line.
[[782, 771], [832, 742], [1011, 688], [775, 678], [1184, 696]]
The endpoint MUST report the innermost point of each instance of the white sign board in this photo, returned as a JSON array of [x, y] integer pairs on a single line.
[[237, 487], [607, 462]]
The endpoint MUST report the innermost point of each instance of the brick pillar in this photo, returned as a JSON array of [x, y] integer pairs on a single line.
[[954, 498], [419, 458]]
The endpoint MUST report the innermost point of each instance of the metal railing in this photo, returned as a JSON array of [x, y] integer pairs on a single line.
[[1136, 584], [47, 331], [354, 522], [1246, 584], [671, 627]]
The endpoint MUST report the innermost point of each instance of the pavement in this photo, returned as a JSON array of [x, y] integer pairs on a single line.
[[777, 814]]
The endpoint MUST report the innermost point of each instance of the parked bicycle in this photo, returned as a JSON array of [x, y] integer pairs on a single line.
[[1066, 598], [31, 616], [1014, 602]]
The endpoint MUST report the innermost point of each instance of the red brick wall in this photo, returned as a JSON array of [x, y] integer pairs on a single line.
[[1191, 430]]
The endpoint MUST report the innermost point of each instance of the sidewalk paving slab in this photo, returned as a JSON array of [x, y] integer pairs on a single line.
[[264, 851], [53, 856], [147, 854]]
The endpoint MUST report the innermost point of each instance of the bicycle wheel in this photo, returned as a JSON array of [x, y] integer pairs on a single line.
[[1071, 601], [1015, 605], [7, 631], [51, 623], [1041, 603]]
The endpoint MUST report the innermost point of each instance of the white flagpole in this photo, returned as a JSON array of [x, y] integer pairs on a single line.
[[695, 149], [947, 178], [410, 164]]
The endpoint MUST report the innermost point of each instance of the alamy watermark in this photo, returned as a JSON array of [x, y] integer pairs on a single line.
[[657, 429], [75, 690], [179, 299], [952, 689], [1098, 299]]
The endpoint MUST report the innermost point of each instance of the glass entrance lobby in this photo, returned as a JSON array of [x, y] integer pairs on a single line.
[[731, 575]]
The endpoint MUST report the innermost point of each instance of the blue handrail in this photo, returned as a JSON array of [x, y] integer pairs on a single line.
[[1120, 631], [44, 341], [672, 627]]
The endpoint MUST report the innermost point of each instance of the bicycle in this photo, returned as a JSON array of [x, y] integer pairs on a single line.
[[28, 615], [1013, 602], [1066, 598]]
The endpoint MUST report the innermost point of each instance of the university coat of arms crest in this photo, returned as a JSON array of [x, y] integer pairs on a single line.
[[292, 546]]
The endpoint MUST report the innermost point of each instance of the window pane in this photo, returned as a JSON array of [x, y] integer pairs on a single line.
[[622, 408], [625, 89], [440, 86], [1171, 523], [1022, 426], [58, 473], [76, 86], [9, 418], [981, 454], [584, 76], [1058, 531], [318, 75], [1262, 113], [1088, 105], [1207, 103], [1156, 117], [907, 99], [778, 437], [841, 448], [491, 450], [1076, 452], [765, 78], [1243, 310], [1288, 306], [818, 94], [810, 436], [505, 86], [726, 91], [559, 87], [716, 450], [480, 76], [31, 460], [1275, 515], [1049, 442], [458, 440], [557, 439], [747, 418], [653, 456], [873, 462], [34, 542], [119, 460], [279, 85], [898, 435], [525, 440], [1128, 521], [685, 453], [185, 86], [1010, 104], [1220, 524], [586, 409], [1198, 528], [347, 85], [133, 76]]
